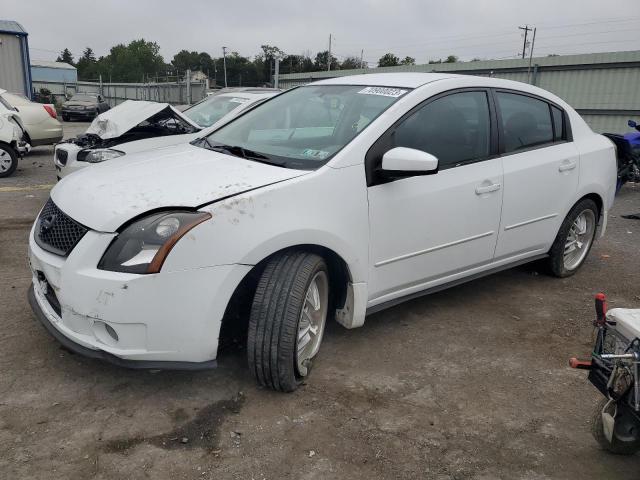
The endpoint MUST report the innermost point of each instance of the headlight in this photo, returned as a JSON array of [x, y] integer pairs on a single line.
[[144, 244], [98, 155], [89, 107]]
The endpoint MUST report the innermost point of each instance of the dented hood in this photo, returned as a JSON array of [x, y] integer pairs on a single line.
[[120, 119], [109, 194]]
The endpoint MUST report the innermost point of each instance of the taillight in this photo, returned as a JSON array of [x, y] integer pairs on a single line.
[[51, 111]]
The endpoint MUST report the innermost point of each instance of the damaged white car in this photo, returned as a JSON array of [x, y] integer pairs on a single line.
[[13, 142], [331, 200], [135, 126]]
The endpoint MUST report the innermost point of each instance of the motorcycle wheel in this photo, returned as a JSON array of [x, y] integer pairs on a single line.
[[626, 432]]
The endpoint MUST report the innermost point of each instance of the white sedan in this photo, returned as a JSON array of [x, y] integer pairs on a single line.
[[331, 200], [135, 126], [40, 121]]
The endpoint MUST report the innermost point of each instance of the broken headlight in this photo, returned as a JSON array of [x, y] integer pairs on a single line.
[[98, 155], [144, 244]]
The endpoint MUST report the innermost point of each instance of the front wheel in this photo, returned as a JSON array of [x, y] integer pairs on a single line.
[[287, 319], [8, 160], [574, 239], [625, 439]]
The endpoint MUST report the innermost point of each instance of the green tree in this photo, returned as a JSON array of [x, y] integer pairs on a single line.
[[451, 59], [322, 60], [408, 61], [295, 64], [350, 63], [266, 61], [135, 62], [88, 65], [66, 57], [388, 60], [185, 60]]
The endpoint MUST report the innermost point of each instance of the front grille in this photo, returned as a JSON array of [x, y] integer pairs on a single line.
[[61, 156], [56, 232]]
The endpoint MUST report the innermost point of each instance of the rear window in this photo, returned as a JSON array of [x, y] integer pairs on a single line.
[[85, 98], [558, 124], [526, 121]]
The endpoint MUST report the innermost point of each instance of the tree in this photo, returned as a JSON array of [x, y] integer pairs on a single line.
[[296, 63], [431, 62], [322, 60], [350, 63], [66, 57], [135, 62], [88, 65], [269, 54], [185, 60], [451, 59], [408, 61], [388, 60]]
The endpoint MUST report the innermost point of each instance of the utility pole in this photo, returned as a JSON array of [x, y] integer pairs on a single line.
[[526, 29], [224, 64], [329, 58], [361, 56], [533, 43]]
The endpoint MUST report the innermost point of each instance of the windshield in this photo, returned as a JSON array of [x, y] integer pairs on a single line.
[[304, 127], [84, 98], [212, 109]]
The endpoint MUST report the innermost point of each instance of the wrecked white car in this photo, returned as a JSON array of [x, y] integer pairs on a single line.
[[135, 126], [12, 141]]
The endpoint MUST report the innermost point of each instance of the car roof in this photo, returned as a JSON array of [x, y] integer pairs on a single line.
[[399, 79]]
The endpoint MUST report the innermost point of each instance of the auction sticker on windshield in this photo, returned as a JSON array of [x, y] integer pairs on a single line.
[[239, 100], [384, 91]]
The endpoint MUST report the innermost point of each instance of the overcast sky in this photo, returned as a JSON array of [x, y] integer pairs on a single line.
[[424, 29]]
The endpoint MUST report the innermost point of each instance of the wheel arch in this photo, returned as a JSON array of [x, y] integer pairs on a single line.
[[236, 316]]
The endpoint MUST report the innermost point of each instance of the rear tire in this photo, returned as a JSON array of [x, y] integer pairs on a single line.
[[621, 443], [572, 245], [8, 160], [287, 319]]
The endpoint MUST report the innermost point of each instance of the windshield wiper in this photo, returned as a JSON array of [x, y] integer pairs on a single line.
[[238, 151]]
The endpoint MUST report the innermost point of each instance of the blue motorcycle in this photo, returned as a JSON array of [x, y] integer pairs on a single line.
[[628, 147]]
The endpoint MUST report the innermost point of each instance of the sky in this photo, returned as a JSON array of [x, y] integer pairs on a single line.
[[423, 29]]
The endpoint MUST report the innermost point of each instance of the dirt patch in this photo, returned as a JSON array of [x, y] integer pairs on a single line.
[[200, 432]]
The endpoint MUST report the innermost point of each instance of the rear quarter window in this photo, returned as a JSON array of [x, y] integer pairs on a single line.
[[526, 121]]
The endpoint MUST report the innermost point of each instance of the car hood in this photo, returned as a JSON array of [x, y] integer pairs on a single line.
[[107, 195], [120, 119]]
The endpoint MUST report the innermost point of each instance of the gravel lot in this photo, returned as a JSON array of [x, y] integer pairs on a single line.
[[470, 383]]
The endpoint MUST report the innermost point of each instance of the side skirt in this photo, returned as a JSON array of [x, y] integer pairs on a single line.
[[444, 286]]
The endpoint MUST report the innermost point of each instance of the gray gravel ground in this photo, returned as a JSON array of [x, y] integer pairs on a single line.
[[470, 383]]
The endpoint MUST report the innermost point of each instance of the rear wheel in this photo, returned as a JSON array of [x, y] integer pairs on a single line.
[[626, 432], [287, 319], [8, 160], [574, 240]]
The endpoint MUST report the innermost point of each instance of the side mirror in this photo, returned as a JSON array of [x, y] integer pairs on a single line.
[[408, 162], [632, 124]]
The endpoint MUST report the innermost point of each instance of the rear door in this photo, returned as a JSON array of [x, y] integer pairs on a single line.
[[541, 168], [425, 229]]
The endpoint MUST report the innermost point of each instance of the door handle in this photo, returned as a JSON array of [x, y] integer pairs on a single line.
[[487, 188], [565, 167]]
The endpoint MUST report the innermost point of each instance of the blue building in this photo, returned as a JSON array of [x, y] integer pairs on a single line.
[[42, 71], [15, 74]]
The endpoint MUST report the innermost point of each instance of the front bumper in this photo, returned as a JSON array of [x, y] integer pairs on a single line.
[[169, 320]]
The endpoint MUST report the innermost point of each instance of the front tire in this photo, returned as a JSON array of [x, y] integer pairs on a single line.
[[287, 319], [626, 434], [8, 160], [574, 240]]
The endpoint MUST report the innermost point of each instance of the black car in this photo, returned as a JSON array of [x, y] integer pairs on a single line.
[[84, 105]]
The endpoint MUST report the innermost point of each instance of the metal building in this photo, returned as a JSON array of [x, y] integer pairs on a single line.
[[15, 71], [603, 87], [42, 71]]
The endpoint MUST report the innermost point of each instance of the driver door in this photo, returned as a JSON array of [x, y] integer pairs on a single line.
[[427, 230]]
